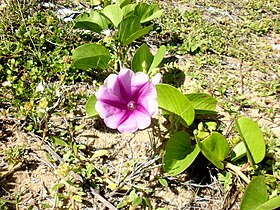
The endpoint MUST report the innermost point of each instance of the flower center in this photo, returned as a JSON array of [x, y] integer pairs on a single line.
[[131, 105]]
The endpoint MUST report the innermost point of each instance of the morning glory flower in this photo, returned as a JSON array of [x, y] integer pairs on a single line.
[[127, 101]]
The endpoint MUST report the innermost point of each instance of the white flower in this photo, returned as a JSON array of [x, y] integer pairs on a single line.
[[40, 87], [7, 84], [107, 32]]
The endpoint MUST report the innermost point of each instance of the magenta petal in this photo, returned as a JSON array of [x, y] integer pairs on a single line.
[[136, 120], [148, 99], [124, 79], [150, 106], [114, 120], [143, 120], [129, 125], [105, 110], [138, 81]]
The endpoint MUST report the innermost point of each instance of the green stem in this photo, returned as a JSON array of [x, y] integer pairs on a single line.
[[237, 170]]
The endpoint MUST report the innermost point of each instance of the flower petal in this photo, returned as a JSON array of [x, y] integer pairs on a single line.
[[129, 125], [143, 119], [137, 82], [124, 79], [136, 120], [114, 120], [150, 106], [106, 96], [148, 99], [105, 110], [157, 79]]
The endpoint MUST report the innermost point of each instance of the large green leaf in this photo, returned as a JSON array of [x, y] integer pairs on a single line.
[[113, 13], [91, 56], [90, 106], [142, 59], [130, 29], [147, 12], [179, 153], [215, 148], [253, 139], [172, 100], [157, 58], [255, 194], [92, 21], [202, 103]]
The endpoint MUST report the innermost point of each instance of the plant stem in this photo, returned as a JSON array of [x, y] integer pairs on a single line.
[[237, 170]]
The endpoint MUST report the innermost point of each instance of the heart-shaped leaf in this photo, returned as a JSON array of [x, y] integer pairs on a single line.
[[253, 139], [147, 12], [179, 153], [142, 59], [113, 13], [130, 29], [215, 148], [181, 106], [91, 56], [90, 106], [92, 21]]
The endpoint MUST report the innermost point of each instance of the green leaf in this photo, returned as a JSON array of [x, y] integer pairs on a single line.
[[253, 139], [59, 141], [163, 182], [100, 153], [179, 153], [78, 198], [215, 148], [273, 203], [147, 12], [57, 186], [92, 21], [130, 29], [91, 56], [255, 194], [202, 103], [157, 58], [137, 201], [75, 149], [122, 3], [238, 151], [181, 106], [113, 13], [142, 59], [128, 9], [90, 106], [147, 202]]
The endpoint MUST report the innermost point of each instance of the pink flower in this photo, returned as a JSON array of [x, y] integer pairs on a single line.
[[127, 101]]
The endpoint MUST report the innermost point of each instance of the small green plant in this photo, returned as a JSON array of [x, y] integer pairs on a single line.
[[124, 21], [14, 154]]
